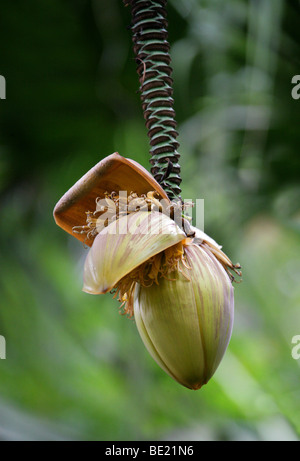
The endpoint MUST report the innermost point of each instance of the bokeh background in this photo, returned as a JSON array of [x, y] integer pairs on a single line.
[[75, 368]]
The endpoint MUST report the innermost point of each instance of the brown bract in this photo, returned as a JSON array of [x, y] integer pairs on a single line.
[[113, 173]]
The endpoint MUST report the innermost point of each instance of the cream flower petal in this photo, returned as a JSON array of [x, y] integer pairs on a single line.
[[202, 237], [124, 245]]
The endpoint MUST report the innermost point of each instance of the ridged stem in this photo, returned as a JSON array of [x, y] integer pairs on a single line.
[[151, 49]]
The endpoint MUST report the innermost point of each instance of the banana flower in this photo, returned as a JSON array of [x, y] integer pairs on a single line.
[[176, 282]]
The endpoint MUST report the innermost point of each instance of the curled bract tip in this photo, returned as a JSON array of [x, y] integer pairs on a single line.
[[126, 244]]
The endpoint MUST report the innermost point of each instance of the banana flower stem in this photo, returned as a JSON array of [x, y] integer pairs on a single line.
[[152, 55]]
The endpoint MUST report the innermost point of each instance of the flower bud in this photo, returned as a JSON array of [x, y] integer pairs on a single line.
[[186, 323]]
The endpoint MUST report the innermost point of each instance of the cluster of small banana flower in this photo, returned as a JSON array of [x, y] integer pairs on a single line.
[[173, 278]]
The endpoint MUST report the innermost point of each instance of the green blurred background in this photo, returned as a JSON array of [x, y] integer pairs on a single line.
[[75, 368]]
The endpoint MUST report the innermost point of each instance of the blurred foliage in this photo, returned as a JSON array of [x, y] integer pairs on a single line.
[[75, 368]]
